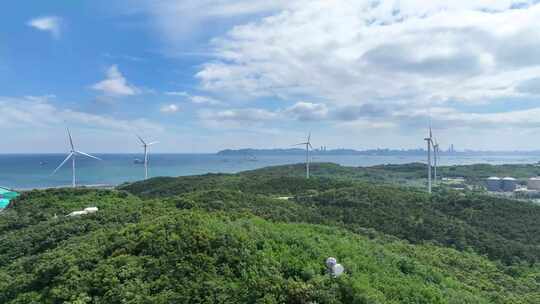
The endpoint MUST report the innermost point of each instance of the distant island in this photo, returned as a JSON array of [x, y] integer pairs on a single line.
[[379, 152], [318, 151]]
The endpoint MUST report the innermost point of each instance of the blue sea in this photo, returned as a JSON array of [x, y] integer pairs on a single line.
[[28, 171]]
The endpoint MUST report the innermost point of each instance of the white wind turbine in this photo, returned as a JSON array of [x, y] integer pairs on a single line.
[[71, 155], [429, 141], [146, 148], [308, 146]]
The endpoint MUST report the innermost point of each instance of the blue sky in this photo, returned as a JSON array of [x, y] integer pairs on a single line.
[[204, 75]]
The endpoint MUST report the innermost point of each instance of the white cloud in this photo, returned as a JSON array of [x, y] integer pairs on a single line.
[[174, 93], [169, 108], [308, 111], [350, 52], [300, 111], [196, 99], [39, 112], [201, 9], [365, 63], [445, 117], [239, 119], [366, 125], [204, 100], [373, 117], [181, 21], [115, 84], [51, 24], [239, 115]]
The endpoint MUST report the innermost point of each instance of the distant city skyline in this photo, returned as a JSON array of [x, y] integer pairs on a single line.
[[203, 76], [379, 151]]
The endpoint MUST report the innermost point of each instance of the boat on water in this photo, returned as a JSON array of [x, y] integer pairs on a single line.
[[138, 161]]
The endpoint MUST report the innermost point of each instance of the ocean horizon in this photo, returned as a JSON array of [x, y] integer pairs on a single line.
[[33, 171]]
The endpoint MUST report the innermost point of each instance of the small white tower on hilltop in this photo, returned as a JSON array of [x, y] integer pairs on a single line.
[[334, 268]]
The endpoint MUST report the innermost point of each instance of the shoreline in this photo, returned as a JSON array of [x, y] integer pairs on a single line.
[[116, 183], [91, 186]]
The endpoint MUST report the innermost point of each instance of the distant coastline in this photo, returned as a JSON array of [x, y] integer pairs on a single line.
[[373, 152], [88, 186], [33, 171]]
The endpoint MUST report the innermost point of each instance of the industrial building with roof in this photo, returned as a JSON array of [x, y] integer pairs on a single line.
[[533, 183], [505, 184], [494, 184], [509, 184]]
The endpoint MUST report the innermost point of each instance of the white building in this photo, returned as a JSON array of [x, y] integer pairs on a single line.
[[86, 211]]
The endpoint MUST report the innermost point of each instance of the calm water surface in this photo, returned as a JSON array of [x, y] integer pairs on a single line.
[[24, 171]]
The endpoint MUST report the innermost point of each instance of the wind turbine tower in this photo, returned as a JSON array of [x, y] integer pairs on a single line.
[[71, 155], [308, 147], [146, 148], [429, 141]]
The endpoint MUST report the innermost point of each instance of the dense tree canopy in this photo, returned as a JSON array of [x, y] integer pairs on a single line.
[[503, 229], [262, 237]]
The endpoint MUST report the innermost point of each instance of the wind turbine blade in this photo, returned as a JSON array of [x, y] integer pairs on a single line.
[[153, 143], [300, 144], [309, 137], [142, 141], [61, 164], [87, 155], [70, 140], [310, 145]]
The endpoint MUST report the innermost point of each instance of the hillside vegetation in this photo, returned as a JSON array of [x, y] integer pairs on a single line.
[[410, 174], [502, 229], [260, 237]]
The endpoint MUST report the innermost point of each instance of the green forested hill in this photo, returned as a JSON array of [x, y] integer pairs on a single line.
[[258, 237], [413, 174], [156, 252], [503, 229], [408, 174]]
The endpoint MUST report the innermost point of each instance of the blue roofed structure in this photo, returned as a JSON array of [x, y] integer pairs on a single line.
[[6, 196]]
